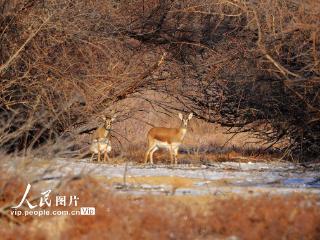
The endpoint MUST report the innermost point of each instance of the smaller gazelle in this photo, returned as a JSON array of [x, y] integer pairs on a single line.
[[168, 138], [101, 139]]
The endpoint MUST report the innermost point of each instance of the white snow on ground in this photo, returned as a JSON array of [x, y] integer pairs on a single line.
[[240, 178]]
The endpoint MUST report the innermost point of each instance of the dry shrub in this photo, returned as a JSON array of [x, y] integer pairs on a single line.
[[128, 217], [12, 227], [257, 71], [249, 65], [63, 65], [120, 216], [267, 217], [10, 186]]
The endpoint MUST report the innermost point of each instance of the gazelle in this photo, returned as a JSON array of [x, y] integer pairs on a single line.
[[101, 139], [168, 138]]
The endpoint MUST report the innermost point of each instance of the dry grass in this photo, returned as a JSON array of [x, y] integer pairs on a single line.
[[153, 217], [204, 142]]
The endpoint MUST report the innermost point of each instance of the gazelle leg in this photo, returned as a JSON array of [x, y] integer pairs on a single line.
[[91, 159], [99, 153], [106, 157], [146, 156], [150, 148], [176, 155], [151, 153], [171, 154]]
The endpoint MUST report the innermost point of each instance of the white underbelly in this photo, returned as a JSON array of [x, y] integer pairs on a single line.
[[165, 145], [104, 145]]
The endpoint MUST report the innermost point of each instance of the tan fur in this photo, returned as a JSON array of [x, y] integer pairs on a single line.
[[100, 132], [170, 138], [100, 140], [168, 135]]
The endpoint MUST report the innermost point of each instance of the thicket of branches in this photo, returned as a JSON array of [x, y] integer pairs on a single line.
[[249, 65], [62, 64], [263, 75]]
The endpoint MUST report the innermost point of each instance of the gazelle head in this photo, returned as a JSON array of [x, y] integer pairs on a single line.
[[184, 121], [108, 121]]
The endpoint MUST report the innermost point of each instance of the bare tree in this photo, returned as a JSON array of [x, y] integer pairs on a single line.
[[248, 65]]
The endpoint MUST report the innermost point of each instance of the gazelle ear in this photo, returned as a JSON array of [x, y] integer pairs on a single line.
[[114, 116], [190, 116], [181, 116]]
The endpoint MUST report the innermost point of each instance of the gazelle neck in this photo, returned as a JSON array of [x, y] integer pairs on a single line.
[[107, 130], [182, 130], [182, 126]]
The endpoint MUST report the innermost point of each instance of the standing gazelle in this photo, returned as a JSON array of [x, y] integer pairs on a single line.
[[101, 139], [168, 138]]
